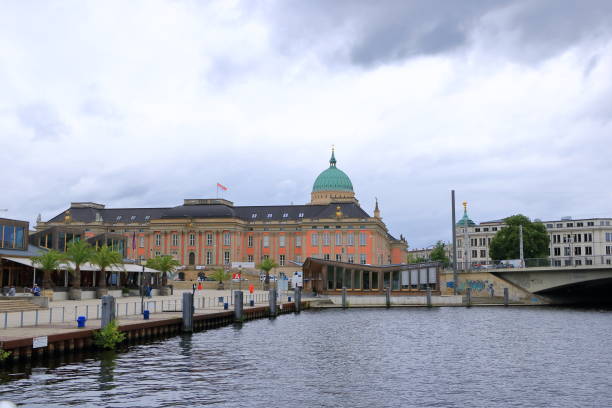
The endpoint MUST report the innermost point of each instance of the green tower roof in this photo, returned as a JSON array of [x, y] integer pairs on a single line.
[[465, 220], [332, 179]]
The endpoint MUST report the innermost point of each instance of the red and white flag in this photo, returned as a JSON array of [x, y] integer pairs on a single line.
[[221, 186]]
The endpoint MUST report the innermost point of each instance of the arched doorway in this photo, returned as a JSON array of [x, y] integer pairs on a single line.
[[191, 258]]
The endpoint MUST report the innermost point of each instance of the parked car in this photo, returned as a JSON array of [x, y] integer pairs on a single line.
[[262, 278]]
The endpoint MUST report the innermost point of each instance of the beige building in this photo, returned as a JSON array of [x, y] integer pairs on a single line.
[[572, 241]]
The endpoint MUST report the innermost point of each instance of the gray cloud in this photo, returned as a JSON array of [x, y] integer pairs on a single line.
[[368, 33], [42, 119]]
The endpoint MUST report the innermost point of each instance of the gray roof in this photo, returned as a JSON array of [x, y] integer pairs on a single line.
[[247, 213], [32, 250]]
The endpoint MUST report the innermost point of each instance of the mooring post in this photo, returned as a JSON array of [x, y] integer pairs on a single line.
[[108, 310], [188, 312], [428, 297], [388, 296], [468, 295], [344, 303], [272, 302], [506, 297], [238, 303], [298, 299]]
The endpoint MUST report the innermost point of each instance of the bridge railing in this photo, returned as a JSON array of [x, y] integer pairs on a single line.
[[554, 262]]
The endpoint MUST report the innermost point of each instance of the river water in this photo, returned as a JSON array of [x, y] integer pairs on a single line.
[[402, 357]]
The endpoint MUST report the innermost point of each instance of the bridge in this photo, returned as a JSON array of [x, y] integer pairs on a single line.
[[568, 283]]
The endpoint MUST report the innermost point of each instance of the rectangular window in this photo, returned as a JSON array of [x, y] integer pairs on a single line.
[[298, 241], [314, 239], [351, 239], [226, 257], [157, 253], [577, 251], [227, 239], [339, 257], [588, 237], [208, 258], [250, 241], [330, 278], [351, 258], [281, 241], [590, 224], [326, 257], [474, 253], [192, 239], [338, 239], [157, 240], [281, 260], [362, 259], [494, 229], [175, 239], [326, 238], [395, 282], [362, 238], [209, 239], [141, 244], [483, 253], [374, 280], [266, 241], [249, 258], [357, 279], [366, 280], [608, 250], [557, 251], [566, 251], [298, 258], [588, 250]]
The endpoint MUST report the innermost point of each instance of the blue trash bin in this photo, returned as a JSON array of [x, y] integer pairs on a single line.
[[252, 302], [225, 306], [288, 298], [81, 321], [145, 314]]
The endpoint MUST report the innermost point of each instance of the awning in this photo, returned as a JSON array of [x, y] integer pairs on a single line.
[[86, 266]]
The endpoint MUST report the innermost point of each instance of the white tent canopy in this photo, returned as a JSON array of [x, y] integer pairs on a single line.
[[86, 266]]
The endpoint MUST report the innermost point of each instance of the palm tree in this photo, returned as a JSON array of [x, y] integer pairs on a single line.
[[78, 252], [105, 258], [49, 261], [220, 275], [267, 265], [165, 264]]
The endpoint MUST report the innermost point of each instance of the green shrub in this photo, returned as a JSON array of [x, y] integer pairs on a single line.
[[109, 336], [4, 354]]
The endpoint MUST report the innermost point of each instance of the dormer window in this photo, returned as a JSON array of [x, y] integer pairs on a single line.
[[118, 218], [132, 218], [147, 218], [269, 215], [254, 215], [285, 215], [301, 215]]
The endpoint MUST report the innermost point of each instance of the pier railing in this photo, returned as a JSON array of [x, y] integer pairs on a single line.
[[604, 261], [130, 309]]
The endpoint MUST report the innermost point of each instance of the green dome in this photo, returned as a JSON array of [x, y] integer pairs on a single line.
[[465, 220], [332, 179]]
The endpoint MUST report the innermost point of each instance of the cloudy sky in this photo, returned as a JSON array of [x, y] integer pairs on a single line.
[[144, 103]]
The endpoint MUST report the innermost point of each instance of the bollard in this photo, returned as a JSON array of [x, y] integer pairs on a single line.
[[468, 294], [108, 310], [344, 303], [187, 312], [388, 296], [428, 297], [298, 299], [506, 297], [238, 304], [272, 302]]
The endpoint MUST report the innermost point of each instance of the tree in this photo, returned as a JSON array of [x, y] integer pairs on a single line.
[[505, 244], [267, 265], [412, 259], [165, 264], [49, 261], [105, 258], [78, 252], [438, 254]]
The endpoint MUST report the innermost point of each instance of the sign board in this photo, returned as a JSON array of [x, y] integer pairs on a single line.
[[38, 342], [200, 267], [296, 280], [236, 276], [243, 265]]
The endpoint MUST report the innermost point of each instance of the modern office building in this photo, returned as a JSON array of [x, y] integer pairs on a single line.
[[14, 245], [213, 232], [572, 241]]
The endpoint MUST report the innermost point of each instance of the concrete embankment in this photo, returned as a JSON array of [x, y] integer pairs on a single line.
[[45, 342]]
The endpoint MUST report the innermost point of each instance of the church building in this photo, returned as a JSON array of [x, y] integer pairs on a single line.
[[205, 233]]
